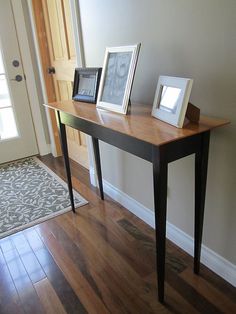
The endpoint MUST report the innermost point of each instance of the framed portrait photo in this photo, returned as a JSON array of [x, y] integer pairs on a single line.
[[86, 84], [171, 99], [117, 78]]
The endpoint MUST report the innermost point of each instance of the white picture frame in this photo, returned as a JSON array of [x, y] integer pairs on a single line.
[[171, 99], [117, 78]]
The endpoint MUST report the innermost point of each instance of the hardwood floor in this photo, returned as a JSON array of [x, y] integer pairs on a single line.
[[100, 260]]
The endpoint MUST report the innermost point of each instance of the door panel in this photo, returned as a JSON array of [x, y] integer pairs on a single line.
[[17, 138], [54, 11], [70, 37], [64, 89], [63, 60]]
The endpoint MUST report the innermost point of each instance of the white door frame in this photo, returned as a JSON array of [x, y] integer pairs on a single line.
[[24, 45], [52, 144]]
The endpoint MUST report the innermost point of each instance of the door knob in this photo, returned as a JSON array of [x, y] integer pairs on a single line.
[[51, 70], [17, 78]]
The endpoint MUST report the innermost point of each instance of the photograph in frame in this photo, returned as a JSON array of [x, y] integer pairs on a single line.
[[116, 77]]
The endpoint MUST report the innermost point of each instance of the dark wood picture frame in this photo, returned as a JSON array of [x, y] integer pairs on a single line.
[[86, 84]]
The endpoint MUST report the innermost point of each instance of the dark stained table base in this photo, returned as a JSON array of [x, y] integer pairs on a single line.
[[98, 165], [62, 132], [160, 156], [201, 165]]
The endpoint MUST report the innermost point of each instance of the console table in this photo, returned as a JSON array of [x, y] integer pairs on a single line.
[[153, 140]]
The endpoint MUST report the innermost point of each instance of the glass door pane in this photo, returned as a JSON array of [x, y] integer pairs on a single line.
[[8, 127]]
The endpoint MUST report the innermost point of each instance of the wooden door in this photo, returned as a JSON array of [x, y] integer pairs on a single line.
[[62, 56]]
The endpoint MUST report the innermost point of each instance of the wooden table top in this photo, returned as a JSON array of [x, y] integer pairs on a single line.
[[139, 123]]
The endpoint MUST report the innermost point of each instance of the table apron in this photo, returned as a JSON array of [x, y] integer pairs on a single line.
[[127, 143], [173, 150]]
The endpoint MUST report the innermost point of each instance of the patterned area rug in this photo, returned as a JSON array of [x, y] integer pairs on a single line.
[[31, 193]]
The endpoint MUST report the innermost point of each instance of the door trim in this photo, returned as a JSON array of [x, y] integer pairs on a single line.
[[31, 79]]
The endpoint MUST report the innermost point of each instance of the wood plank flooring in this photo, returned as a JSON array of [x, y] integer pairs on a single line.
[[100, 260]]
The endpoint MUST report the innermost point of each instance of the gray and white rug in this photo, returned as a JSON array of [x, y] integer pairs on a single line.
[[31, 193]]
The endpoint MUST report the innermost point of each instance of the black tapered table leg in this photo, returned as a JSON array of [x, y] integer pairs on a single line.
[[160, 170], [201, 165], [98, 165], [62, 132]]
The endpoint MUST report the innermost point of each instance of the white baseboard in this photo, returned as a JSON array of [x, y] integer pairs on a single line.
[[45, 149], [209, 258], [93, 178]]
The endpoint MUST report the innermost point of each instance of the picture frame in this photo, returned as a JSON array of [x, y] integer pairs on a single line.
[[86, 84], [117, 78], [171, 99]]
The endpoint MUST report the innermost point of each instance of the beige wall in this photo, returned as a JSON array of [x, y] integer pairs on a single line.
[[185, 38]]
